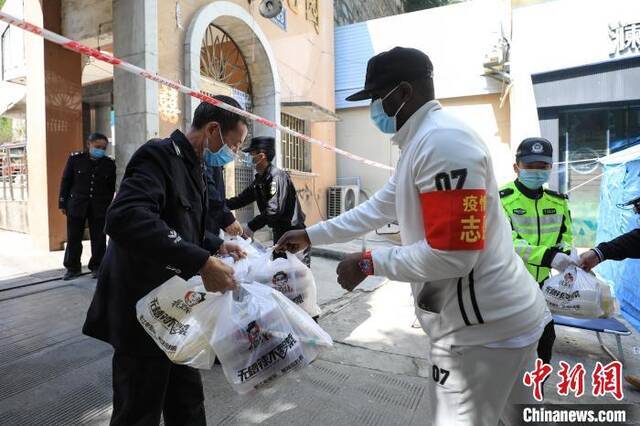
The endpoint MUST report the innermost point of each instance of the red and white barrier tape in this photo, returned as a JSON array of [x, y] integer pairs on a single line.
[[86, 50]]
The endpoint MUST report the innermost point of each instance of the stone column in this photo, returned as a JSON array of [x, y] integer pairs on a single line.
[[54, 122], [103, 120], [135, 40]]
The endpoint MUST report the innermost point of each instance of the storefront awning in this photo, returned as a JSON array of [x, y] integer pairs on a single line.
[[309, 111]]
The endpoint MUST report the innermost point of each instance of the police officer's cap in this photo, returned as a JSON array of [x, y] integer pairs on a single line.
[[535, 149], [262, 143], [390, 68]]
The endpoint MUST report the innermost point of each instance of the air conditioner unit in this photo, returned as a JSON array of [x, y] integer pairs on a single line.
[[341, 199]]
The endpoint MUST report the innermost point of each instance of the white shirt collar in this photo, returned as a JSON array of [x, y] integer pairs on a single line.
[[409, 128]]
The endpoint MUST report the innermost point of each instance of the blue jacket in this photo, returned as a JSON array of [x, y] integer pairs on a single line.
[[219, 216]]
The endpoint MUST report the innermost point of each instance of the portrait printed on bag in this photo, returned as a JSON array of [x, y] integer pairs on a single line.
[[280, 282], [256, 336]]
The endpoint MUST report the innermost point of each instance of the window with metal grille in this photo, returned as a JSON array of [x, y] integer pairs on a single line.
[[13, 172], [296, 153]]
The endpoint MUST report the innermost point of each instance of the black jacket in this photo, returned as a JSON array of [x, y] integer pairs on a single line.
[[87, 182], [156, 225], [219, 215], [626, 246], [277, 201]]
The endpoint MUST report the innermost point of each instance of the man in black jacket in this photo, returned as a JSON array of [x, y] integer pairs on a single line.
[[626, 246], [157, 228], [274, 193], [87, 188]]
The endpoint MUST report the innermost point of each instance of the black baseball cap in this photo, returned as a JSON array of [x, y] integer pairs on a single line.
[[261, 143], [392, 67], [535, 149]]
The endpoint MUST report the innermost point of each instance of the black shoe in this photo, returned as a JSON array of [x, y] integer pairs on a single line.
[[94, 274], [71, 275]]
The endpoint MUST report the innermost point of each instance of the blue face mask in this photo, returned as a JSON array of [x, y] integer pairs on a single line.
[[97, 152], [380, 118], [245, 159], [534, 178], [223, 156]]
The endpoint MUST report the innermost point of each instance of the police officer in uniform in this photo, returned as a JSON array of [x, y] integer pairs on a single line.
[[540, 221], [86, 190], [273, 191], [156, 226]]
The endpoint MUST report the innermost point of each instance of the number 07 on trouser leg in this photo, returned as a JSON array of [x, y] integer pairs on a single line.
[[476, 385]]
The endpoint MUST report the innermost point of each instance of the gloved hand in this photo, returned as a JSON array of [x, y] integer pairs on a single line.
[[562, 261]]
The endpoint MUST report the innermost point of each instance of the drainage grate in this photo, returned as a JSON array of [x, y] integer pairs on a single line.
[[326, 379], [26, 374], [70, 408], [394, 391], [380, 418]]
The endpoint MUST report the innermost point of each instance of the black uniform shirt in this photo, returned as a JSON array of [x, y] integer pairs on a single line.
[[277, 201], [87, 182]]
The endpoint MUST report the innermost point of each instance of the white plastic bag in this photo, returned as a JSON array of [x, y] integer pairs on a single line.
[[289, 276], [609, 303], [259, 334], [574, 293], [177, 317], [251, 247], [256, 332]]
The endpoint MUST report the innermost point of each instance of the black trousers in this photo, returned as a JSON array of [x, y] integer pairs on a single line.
[[545, 344], [75, 229], [146, 387]]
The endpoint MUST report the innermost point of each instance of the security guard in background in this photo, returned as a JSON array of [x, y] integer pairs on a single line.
[[87, 188], [274, 193], [540, 221]]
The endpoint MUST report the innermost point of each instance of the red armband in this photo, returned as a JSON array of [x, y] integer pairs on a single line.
[[454, 220]]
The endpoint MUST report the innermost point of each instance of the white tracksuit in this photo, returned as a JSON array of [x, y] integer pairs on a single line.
[[473, 295]]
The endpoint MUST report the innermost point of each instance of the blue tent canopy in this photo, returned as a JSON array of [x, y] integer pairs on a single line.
[[621, 183]]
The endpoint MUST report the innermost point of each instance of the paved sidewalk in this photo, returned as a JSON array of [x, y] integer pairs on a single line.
[[376, 374], [19, 258]]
